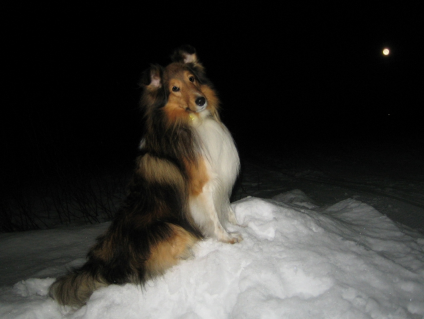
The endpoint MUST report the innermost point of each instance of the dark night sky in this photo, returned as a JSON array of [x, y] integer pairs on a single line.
[[289, 72]]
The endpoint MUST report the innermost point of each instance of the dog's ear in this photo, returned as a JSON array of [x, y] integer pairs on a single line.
[[186, 54], [152, 77]]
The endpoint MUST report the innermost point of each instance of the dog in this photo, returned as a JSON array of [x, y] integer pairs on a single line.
[[181, 187]]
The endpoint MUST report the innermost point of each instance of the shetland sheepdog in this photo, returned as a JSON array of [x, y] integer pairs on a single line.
[[180, 190]]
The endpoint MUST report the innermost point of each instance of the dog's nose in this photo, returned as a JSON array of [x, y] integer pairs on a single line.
[[200, 101]]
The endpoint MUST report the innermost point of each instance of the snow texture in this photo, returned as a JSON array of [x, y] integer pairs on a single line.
[[297, 260]]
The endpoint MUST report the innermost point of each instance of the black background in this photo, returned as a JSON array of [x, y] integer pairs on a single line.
[[289, 75]]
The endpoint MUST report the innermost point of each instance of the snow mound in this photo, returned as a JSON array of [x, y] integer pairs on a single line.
[[296, 261]]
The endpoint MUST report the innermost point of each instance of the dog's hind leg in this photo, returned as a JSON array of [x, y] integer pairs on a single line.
[[169, 252]]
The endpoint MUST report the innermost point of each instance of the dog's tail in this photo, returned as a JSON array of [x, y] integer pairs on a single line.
[[146, 255], [75, 288]]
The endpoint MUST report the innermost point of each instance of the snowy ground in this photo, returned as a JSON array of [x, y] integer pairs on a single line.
[[323, 238]]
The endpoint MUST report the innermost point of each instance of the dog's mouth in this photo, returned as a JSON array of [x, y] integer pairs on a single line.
[[200, 105], [198, 109], [201, 108]]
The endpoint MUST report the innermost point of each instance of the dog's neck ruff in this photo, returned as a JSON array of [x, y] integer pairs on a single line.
[[217, 145]]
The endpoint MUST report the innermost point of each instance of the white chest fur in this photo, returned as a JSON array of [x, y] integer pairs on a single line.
[[211, 209], [220, 152]]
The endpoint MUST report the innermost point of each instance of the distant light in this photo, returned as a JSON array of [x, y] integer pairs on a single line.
[[386, 51]]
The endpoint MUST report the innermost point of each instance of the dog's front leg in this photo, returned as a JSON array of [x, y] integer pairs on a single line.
[[232, 216], [206, 216]]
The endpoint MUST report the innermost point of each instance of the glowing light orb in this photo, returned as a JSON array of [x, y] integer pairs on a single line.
[[386, 51]]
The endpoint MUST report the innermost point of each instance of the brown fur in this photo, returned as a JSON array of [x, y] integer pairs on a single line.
[[198, 176], [169, 252]]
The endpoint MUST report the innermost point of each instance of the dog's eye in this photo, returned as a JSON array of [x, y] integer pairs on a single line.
[[175, 88], [191, 78]]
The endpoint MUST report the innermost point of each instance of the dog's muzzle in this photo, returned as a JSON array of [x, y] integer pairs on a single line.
[[201, 104]]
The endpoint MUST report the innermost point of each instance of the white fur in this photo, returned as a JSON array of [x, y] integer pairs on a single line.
[[211, 209], [190, 58]]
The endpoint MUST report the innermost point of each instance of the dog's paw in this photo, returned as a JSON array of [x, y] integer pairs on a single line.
[[234, 238], [186, 254]]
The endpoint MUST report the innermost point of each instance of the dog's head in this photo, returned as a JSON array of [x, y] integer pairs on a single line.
[[181, 90]]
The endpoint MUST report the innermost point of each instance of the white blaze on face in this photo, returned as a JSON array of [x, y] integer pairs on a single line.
[[386, 51]]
